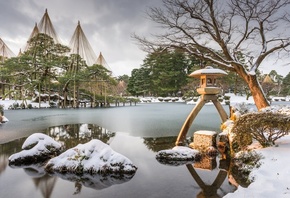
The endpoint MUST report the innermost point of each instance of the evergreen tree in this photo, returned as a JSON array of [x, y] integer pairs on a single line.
[[286, 85]]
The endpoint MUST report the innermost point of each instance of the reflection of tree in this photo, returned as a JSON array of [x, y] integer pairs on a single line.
[[46, 185], [73, 134], [78, 187], [8, 149], [3, 163], [40, 178], [159, 143]]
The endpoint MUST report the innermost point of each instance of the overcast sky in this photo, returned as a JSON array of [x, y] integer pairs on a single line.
[[107, 24]]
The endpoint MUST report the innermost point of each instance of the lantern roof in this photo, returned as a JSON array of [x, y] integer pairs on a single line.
[[208, 70]]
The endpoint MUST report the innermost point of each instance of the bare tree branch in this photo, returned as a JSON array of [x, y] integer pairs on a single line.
[[220, 31]]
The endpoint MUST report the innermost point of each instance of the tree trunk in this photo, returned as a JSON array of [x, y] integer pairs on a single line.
[[255, 88], [257, 92], [65, 93]]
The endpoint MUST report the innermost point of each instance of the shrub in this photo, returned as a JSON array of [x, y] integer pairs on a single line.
[[265, 127], [227, 97], [29, 106]]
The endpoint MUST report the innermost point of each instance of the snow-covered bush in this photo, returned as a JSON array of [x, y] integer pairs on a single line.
[[265, 127], [239, 109]]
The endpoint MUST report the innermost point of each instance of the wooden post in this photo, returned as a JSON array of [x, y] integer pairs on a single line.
[[188, 122], [221, 110]]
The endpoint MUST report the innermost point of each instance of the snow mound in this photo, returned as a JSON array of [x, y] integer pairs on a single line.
[[92, 157], [37, 148], [178, 155]]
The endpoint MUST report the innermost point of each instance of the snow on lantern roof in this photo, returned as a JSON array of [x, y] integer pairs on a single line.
[[208, 70]]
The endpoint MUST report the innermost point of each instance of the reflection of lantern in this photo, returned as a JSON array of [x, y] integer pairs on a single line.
[[208, 77], [208, 90]]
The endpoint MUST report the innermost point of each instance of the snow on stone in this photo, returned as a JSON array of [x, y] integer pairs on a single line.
[[178, 153], [41, 140], [36, 147], [205, 132], [208, 70], [92, 157]]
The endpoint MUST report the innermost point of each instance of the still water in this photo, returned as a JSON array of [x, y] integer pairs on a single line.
[[136, 132]]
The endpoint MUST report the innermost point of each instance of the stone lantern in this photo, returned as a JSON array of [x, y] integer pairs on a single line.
[[208, 76], [208, 90]]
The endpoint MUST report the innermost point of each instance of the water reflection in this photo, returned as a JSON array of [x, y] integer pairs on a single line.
[[226, 174], [73, 134], [70, 135], [209, 177], [44, 182], [96, 181], [214, 182], [156, 144], [207, 163]]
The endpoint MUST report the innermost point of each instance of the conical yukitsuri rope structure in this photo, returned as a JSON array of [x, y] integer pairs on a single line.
[[5, 52], [101, 61], [45, 26], [80, 45]]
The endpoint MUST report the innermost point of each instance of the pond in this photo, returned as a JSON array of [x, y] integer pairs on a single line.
[[136, 132]]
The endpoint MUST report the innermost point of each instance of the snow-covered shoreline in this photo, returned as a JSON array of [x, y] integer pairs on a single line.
[[7, 104]]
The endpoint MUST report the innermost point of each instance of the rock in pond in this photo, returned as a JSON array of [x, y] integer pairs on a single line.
[[94, 157], [37, 148], [178, 155]]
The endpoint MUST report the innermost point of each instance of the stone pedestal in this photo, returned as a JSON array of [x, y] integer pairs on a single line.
[[202, 140]]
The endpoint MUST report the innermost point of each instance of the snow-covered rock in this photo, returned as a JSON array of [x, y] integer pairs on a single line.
[[37, 148], [92, 157], [178, 155]]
